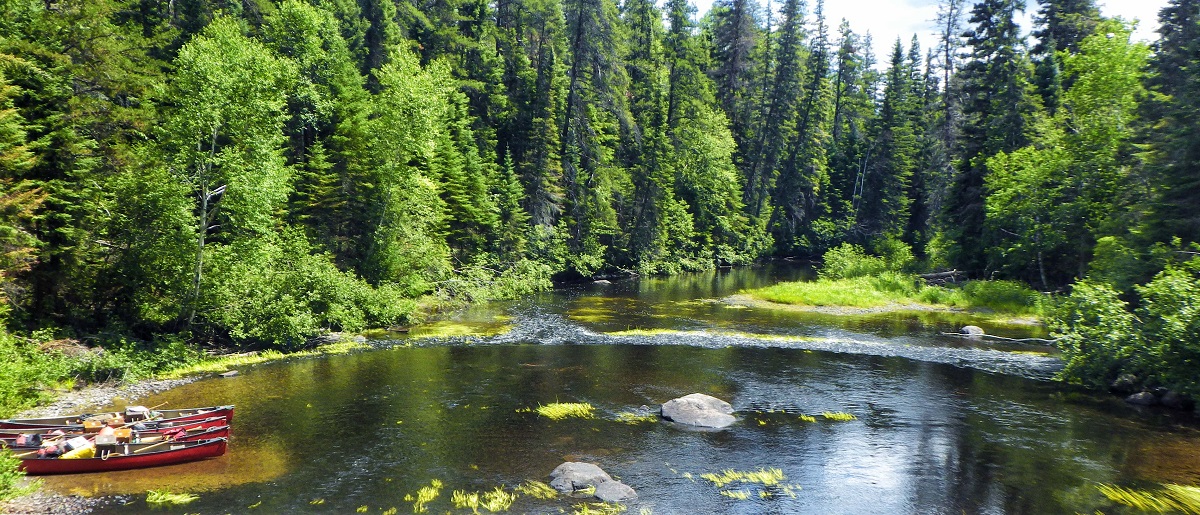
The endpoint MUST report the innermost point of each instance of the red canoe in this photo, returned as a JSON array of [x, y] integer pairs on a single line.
[[75, 422], [178, 434], [151, 428], [163, 454]]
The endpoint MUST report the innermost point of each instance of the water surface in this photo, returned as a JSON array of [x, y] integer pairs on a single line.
[[943, 425]]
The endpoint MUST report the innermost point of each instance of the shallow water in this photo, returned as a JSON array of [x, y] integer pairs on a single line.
[[943, 425]]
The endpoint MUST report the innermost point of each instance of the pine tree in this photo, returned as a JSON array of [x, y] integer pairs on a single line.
[[997, 116], [1175, 139]]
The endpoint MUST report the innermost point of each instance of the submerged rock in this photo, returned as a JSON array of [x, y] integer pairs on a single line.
[[573, 476], [699, 410], [1142, 399], [972, 331], [614, 491]]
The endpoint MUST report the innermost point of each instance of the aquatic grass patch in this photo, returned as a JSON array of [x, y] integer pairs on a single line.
[[598, 508], [762, 476], [565, 410], [808, 418], [537, 490], [740, 495], [839, 416], [858, 292], [457, 329], [167, 498], [494, 501], [632, 418], [424, 496], [1170, 498]]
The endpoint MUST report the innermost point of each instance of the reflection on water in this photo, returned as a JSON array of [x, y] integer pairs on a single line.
[[938, 430]]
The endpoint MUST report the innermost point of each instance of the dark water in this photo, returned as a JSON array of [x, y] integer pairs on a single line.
[[943, 425]]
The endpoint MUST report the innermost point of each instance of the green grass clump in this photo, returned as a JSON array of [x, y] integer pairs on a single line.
[[763, 476], [166, 498], [537, 490], [494, 501], [740, 495], [839, 416], [632, 418], [562, 410], [424, 496], [1171, 498], [598, 508], [10, 477]]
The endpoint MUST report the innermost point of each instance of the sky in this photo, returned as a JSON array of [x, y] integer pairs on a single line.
[[888, 19]]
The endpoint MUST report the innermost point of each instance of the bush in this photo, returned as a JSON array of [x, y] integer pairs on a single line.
[[1096, 334], [847, 261], [10, 478], [1003, 296], [1102, 339]]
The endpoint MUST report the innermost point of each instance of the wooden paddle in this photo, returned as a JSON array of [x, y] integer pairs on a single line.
[[153, 446]]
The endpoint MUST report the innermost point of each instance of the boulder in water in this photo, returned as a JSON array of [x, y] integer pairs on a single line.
[[572, 476], [1142, 399], [971, 331], [699, 410]]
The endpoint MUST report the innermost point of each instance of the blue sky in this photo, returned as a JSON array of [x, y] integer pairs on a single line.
[[888, 19]]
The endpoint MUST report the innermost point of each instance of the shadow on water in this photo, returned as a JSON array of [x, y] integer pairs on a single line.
[[942, 425]]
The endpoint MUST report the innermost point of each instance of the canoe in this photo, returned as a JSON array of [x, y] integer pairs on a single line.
[[126, 457], [180, 434], [150, 425], [173, 416]]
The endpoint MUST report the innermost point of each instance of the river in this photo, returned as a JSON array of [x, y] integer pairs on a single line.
[[942, 424]]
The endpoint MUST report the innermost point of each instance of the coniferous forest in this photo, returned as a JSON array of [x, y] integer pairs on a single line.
[[215, 172]]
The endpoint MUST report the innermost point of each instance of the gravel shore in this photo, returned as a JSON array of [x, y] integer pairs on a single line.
[[85, 399]]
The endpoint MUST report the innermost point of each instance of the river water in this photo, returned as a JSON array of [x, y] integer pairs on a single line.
[[942, 425]]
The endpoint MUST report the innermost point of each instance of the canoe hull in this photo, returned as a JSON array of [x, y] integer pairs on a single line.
[[191, 452], [175, 417]]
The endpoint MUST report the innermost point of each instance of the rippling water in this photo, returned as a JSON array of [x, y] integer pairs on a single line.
[[943, 425]]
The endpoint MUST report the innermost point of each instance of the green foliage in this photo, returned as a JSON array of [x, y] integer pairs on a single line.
[[11, 479], [167, 498], [848, 261], [280, 293], [1101, 338]]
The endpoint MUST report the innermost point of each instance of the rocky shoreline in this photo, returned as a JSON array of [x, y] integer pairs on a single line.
[[89, 398]]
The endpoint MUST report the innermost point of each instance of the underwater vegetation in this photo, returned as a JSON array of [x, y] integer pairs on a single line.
[[1170, 498], [632, 418], [763, 476], [166, 498], [563, 410], [599, 508], [839, 416], [537, 490], [424, 496], [494, 501]]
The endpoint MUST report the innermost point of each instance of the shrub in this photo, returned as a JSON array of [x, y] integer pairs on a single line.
[[1096, 334], [10, 477], [1004, 296], [847, 261]]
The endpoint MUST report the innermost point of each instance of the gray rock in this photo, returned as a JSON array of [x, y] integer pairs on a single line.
[[972, 331], [614, 491], [228, 374], [1142, 399], [1125, 384], [573, 475], [699, 410], [601, 281]]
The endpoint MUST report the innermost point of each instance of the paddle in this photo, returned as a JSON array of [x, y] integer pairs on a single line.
[[152, 446]]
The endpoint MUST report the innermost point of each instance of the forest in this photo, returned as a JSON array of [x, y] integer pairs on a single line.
[[186, 174]]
